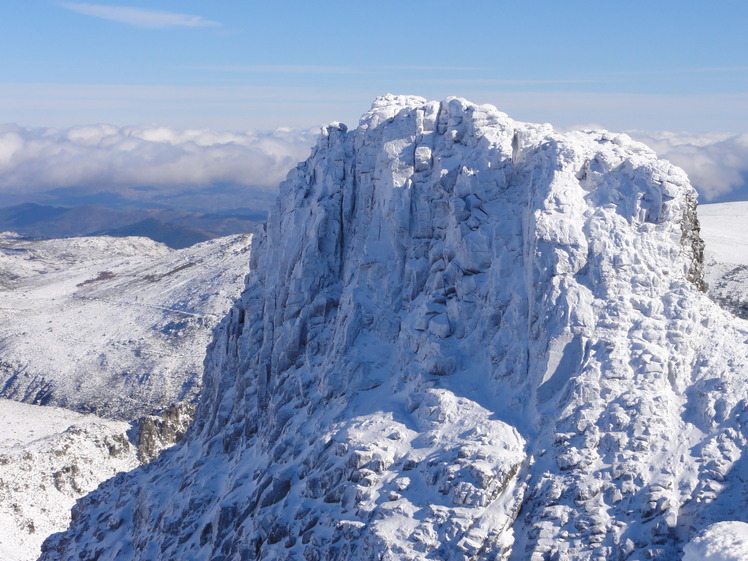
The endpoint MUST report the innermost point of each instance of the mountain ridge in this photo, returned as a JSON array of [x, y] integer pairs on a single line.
[[461, 337]]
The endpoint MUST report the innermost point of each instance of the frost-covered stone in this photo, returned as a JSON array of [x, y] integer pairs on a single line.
[[50, 457], [521, 308]]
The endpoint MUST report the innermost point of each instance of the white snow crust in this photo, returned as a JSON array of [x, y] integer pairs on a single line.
[[22, 424], [462, 337], [723, 541], [724, 228], [115, 326]]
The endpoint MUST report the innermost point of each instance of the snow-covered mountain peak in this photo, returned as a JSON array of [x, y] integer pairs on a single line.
[[399, 100], [452, 317]]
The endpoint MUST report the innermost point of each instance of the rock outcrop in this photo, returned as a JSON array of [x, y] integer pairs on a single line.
[[462, 337], [50, 457]]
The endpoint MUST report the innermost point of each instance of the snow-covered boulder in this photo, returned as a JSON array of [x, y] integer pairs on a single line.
[[114, 326], [723, 541]]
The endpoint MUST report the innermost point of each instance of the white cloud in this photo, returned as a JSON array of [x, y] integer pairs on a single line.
[[110, 158], [715, 163], [118, 159], [139, 17]]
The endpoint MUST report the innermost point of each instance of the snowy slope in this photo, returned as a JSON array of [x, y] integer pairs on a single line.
[[724, 228], [49, 457], [462, 337], [116, 326]]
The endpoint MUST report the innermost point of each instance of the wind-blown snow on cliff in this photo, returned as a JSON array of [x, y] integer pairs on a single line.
[[462, 337]]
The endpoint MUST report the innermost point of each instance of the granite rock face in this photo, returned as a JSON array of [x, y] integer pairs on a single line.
[[462, 337]]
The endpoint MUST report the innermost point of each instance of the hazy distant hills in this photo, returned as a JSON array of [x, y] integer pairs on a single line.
[[175, 228]]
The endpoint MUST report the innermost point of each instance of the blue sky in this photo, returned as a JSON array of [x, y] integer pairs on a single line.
[[112, 95], [237, 65]]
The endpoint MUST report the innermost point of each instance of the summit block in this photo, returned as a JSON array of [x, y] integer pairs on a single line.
[[462, 337]]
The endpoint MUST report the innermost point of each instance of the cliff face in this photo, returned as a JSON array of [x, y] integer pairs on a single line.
[[462, 337]]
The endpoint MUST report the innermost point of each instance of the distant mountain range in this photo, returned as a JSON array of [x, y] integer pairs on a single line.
[[176, 228]]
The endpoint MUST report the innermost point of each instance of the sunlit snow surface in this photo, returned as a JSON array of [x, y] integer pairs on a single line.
[[115, 326], [462, 337], [49, 457], [723, 541], [724, 228]]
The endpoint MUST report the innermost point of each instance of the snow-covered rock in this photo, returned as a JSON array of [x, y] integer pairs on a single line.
[[115, 326], [723, 541], [50, 457], [462, 337], [724, 229]]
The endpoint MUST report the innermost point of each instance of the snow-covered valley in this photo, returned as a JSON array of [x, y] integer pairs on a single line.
[[112, 326], [118, 326]]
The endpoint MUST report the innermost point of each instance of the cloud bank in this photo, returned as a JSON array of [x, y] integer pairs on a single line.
[[717, 164], [106, 157], [121, 159], [139, 17]]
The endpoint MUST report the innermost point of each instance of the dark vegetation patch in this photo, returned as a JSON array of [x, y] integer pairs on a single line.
[[103, 275]]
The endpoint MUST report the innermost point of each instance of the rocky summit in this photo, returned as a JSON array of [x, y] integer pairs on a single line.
[[112, 326], [461, 337]]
